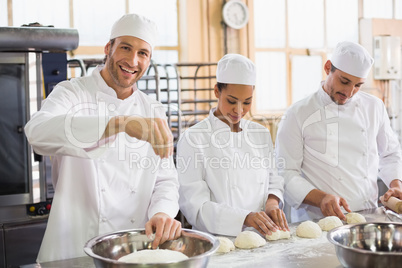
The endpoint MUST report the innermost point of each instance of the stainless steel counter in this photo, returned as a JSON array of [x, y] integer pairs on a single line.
[[293, 252]]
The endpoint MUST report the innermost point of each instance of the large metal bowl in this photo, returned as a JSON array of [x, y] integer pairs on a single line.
[[107, 249], [368, 244]]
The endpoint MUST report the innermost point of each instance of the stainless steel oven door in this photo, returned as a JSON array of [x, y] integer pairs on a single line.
[[15, 153]]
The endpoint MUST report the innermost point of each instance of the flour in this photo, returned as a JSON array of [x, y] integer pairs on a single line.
[[153, 256], [278, 252]]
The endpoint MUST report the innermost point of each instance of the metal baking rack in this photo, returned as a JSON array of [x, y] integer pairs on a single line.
[[162, 82], [185, 89], [197, 81]]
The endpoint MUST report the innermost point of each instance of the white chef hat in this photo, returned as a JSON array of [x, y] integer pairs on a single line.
[[352, 58], [137, 26], [236, 69]]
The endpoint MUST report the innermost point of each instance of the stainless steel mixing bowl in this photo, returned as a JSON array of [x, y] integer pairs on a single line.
[[368, 244], [107, 249]]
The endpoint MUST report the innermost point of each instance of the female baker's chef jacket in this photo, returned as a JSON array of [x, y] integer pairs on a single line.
[[339, 149], [225, 175], [101, 186]]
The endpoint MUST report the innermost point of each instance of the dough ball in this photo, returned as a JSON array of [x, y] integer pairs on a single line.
[[249, 239], [308, 229], [279, 234], [329, 223], [225, 245], [355, 218], [154, 256]]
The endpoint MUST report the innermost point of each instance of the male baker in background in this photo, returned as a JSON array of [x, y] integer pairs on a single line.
[[111, 150], [337, 141]]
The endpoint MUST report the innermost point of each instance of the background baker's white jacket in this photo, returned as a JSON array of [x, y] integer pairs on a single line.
[[225, 175], [102, 186], [339, 149]]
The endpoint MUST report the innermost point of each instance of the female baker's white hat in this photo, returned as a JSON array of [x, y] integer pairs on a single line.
[[137, 26], [352, 58], [236, 69]]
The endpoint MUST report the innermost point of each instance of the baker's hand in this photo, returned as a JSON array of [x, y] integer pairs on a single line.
[[330, 205], [278, 217], [394, 190], [165, 228], [261, 222], [153, 130]]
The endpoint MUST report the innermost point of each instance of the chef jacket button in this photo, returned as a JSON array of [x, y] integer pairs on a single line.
[[104, 220], [132, 220], [365, 177], [103, 190], [364, 154], [135, 104], [112, 107]]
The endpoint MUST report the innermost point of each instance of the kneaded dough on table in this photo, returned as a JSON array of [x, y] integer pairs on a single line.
[[279, 234], [153, 256], [225, 245], [353, 217], [308, 229], [249, 239], [329, 223]]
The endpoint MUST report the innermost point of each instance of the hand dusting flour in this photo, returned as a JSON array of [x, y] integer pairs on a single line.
[[153, 256]]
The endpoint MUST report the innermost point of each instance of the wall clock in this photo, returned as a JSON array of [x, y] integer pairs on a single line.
[[235, 14]]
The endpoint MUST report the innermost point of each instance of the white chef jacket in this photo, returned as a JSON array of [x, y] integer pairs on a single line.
[[225, 175], [339, 149], [101, 186]]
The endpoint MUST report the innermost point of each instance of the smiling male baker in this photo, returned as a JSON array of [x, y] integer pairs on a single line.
[[337, 141], [98, 131]]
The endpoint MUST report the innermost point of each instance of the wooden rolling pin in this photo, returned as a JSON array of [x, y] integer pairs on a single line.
[[393, 203]]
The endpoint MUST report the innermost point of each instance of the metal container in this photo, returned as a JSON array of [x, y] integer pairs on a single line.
[[368, 244], [107, 249]]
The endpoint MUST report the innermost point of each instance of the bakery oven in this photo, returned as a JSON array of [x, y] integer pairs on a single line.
[[32, 60]]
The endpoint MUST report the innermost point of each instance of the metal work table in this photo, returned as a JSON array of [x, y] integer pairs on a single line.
[[293, 252]]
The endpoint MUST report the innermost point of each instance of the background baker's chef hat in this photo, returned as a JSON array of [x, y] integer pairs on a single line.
[[352, 58], [236, 69], [137, 26]]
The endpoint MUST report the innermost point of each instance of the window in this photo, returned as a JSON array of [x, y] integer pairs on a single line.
[[165, 17], [271, 81], [270, 23], [3, 13], [94, 22], [377, 9], [306, 27], [41, 11], [307, 82], [346, 28], [293, 40], [398, 9]]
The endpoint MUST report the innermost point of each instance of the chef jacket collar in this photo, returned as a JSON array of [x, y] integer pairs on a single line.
[[326, 99], [103, 87], [219, 124]]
